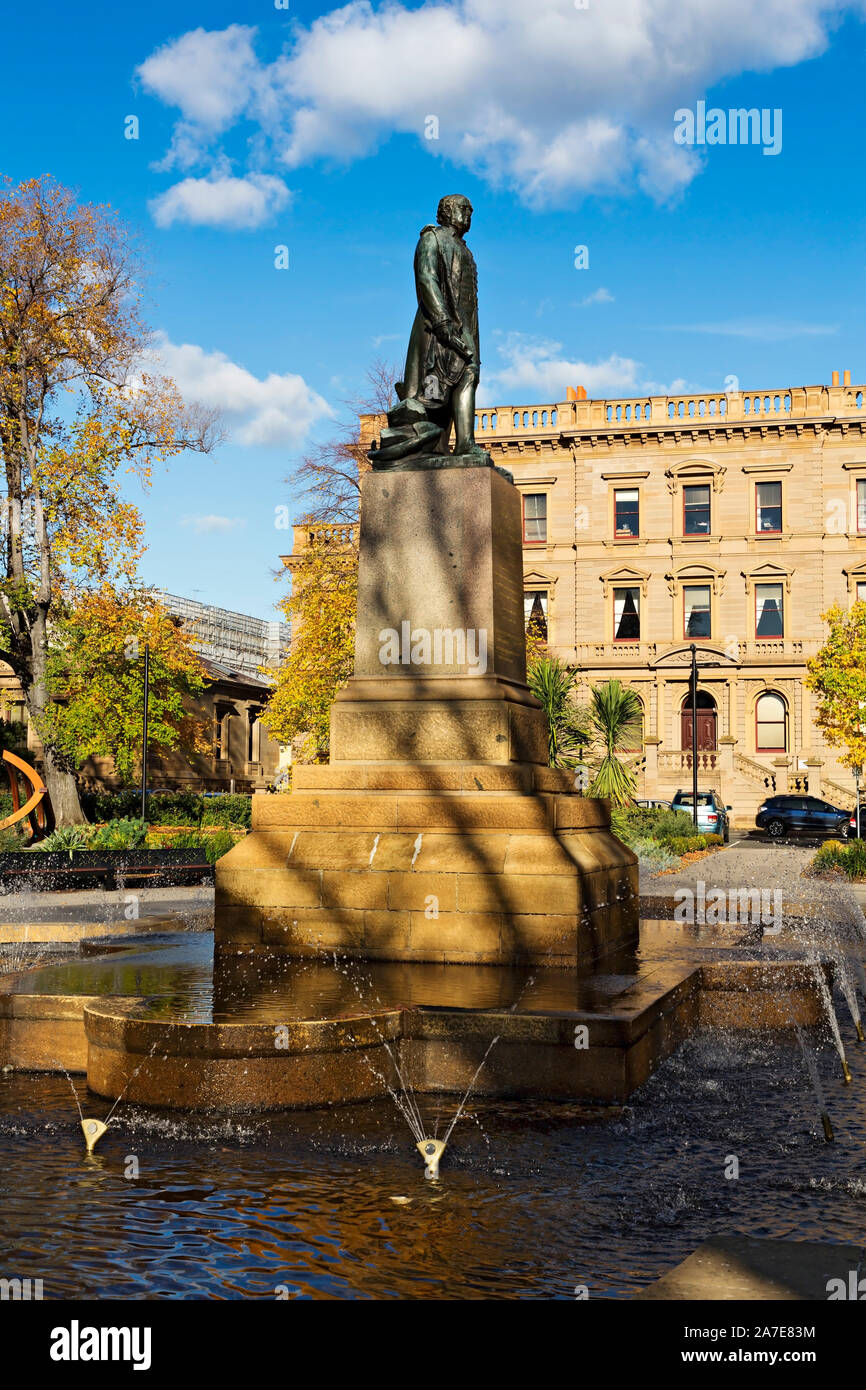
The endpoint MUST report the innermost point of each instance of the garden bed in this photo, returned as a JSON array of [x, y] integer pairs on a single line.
[[837, 860]]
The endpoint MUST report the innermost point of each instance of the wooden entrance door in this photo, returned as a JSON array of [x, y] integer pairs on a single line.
[[706, 731]]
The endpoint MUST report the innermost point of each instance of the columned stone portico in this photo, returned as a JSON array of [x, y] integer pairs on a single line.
[[437, 831]]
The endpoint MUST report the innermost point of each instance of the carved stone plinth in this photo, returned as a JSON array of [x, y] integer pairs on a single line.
[[437, 832]]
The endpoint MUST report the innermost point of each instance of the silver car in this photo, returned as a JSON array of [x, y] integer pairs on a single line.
[[712, 813]]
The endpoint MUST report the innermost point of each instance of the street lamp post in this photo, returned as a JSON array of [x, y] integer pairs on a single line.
[[858, 773], [694, 652], [144, 732]]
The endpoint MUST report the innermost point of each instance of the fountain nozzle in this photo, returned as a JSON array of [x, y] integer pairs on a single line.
[[828, 1128], [431, 1150], [846, 1072], [860, 1034], [93, 1132]]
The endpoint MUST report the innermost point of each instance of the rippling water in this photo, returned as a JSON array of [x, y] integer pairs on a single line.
[[534, 1199]]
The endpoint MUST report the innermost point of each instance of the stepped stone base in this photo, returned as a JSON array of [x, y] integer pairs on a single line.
[[437, 832], [429, 862]]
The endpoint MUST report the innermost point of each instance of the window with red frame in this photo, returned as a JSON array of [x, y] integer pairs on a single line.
[[771, 724], [626, 513], [696, 510], [696, 610], [769, 610], [768, 507], [626, 614]]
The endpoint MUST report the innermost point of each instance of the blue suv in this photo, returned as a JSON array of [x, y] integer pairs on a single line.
[[802, 815]]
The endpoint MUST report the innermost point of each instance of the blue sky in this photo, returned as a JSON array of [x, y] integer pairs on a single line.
[[306, 127]]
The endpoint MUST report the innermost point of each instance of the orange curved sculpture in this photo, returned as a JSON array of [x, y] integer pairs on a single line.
[[34, 801]]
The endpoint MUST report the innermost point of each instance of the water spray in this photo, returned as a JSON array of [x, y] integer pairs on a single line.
[[431, 1150]]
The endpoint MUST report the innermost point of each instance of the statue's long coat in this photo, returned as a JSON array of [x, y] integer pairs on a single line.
[[447, 287]]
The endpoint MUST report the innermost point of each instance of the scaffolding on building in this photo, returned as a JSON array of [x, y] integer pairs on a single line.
[[235, 640]]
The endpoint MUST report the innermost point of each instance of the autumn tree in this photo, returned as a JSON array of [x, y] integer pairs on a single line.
[[838, 676], [321, 609], [96, 674], [323, 600], [79, 413]]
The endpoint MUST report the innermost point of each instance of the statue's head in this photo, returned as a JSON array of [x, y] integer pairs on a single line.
[[454, 211]]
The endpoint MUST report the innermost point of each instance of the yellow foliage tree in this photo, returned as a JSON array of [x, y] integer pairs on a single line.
[[321, 608], [78, 413], [96, 674], [838, 676]]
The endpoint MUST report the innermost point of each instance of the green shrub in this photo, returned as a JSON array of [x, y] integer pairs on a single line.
[[169, 808], [227, 810], [714, 840], [65, 837], [6, 806], [834, 857], [215, 846], [119, 834], [11, 841], [655, 823], [215, 843], [653, 857], [685, 844]]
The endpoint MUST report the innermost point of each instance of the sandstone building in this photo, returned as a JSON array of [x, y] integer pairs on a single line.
[[729, 520], [242, 757]]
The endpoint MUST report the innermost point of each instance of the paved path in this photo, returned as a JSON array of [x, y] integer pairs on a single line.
[[770, 868], [99, 905]]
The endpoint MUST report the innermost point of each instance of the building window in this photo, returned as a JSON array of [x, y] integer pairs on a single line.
[[771, 724], [861, 505], [626, 512], [626, 615], [860, 591], [534, 518], [535, 612], [696, 511], [768, 507], [696, 610], [769, 610]]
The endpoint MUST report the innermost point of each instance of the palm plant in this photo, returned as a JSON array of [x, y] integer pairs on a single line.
[[553, 684], [615, 715]]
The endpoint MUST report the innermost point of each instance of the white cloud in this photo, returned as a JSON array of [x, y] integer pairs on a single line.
[[206, 525], [278, 409], [209, 75], [221, 202], [599, 296], [553, 100], [532, 369], [768, 330]]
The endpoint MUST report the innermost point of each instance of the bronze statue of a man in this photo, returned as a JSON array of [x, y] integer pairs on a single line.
[[443, 360]]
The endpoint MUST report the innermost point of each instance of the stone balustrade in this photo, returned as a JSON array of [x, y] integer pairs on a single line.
[[722, 408]]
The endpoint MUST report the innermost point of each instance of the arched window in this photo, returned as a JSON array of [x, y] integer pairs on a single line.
[[771, 724]]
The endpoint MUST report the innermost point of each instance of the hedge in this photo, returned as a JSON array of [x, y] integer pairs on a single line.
[[169, 808]]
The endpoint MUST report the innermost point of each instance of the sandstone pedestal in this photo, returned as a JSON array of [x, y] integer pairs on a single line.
[[437, 831]]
